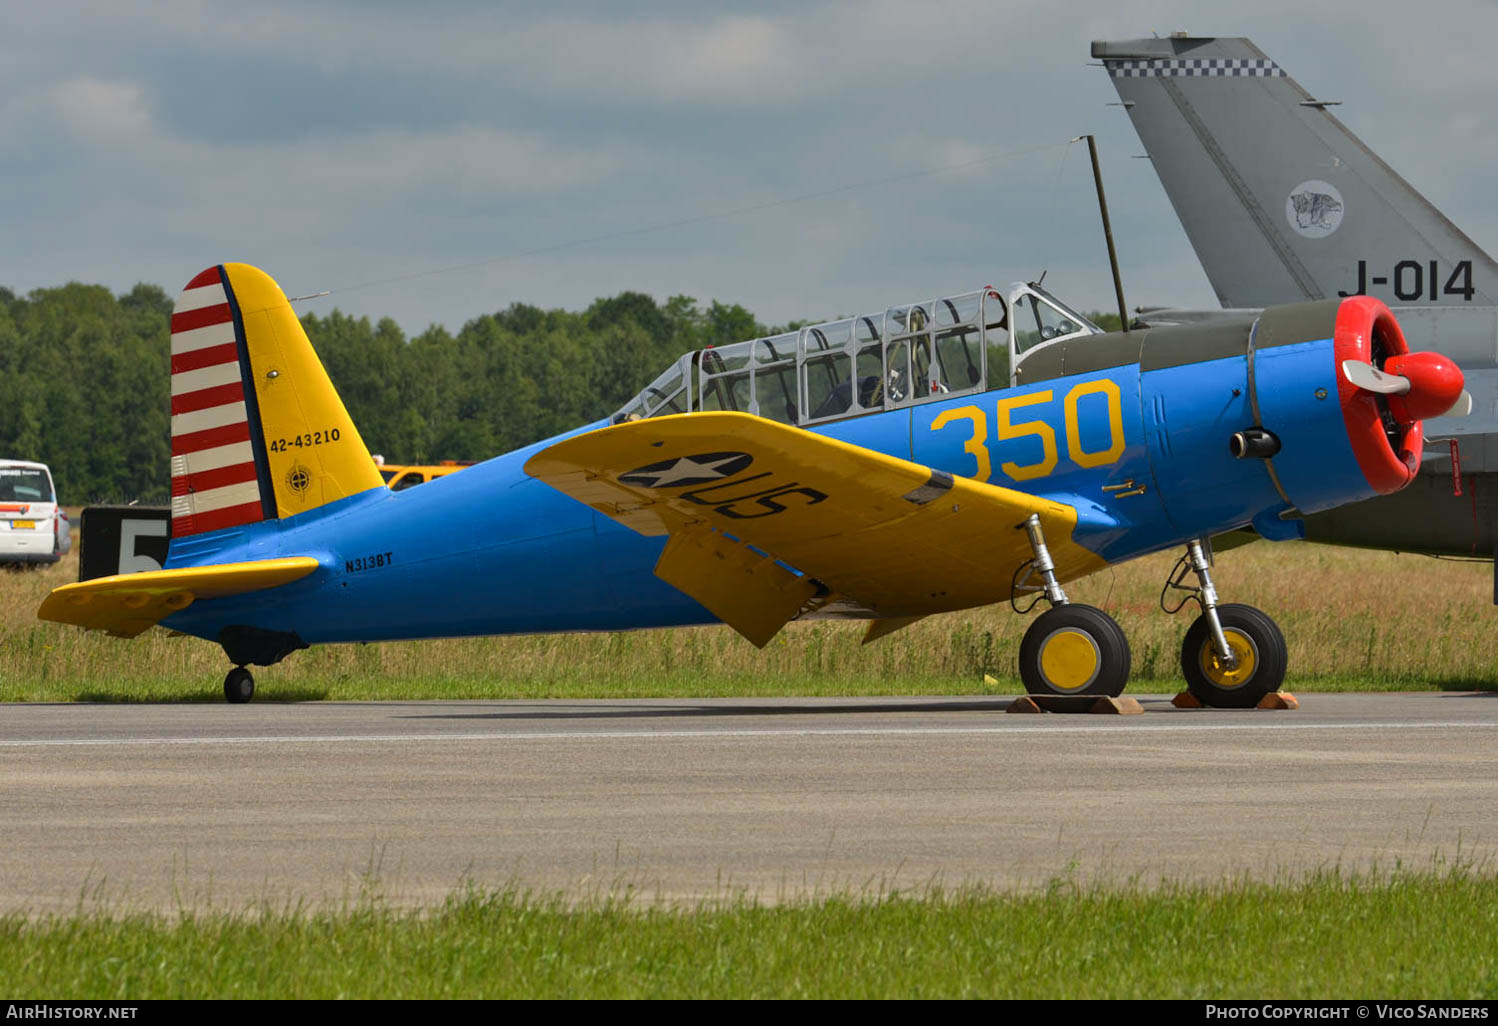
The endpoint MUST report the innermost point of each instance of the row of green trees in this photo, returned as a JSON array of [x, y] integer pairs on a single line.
[[84, 387], [85, 378]]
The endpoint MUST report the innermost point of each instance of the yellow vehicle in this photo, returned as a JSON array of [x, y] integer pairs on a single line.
[[401, 476]]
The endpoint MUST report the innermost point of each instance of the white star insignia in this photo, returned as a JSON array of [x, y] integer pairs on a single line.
[[688, 469]]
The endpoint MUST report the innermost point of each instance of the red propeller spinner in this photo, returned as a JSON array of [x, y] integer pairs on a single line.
[[1387, 392]]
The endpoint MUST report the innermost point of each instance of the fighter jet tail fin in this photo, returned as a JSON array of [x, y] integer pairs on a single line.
[[1279, 199]]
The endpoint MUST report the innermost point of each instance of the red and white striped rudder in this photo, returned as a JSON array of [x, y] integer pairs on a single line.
[[216, 477]]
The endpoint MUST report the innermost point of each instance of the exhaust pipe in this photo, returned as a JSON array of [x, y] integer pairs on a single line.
[[1253, 444]]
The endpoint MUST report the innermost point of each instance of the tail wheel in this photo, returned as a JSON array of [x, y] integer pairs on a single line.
[[239, 686], [1074, 650], [1259, 658]]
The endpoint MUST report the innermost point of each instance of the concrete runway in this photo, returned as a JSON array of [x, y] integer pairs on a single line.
[[217, 805]]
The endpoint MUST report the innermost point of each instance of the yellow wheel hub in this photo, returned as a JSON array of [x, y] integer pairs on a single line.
[[1070, 659], [1245, 656]]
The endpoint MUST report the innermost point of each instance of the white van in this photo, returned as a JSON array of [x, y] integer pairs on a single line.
[[33, 527]]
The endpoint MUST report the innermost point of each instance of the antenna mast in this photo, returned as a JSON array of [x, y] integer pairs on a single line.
[[1102, 202]]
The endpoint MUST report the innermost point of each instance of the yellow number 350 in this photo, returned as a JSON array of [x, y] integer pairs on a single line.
[[1008, 427]]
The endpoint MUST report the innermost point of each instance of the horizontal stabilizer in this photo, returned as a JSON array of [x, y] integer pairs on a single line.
[[127, 604]]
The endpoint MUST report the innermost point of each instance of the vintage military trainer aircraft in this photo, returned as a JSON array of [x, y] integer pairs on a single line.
[[929, 457]]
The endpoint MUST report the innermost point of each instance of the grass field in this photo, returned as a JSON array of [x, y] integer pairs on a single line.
[[1409, 935], [1354, 620]]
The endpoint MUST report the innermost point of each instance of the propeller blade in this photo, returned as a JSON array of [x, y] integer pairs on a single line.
[[1370, 379], [1463, 405]]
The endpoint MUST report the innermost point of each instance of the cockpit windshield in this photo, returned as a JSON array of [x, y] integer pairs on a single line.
[[900, 356], [1041, 317]]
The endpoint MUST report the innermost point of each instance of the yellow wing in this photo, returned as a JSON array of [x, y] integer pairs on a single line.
[[127, 604], [740, 496]]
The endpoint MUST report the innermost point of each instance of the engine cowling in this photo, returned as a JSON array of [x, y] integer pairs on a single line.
[[1385, 412], [1300, 409]]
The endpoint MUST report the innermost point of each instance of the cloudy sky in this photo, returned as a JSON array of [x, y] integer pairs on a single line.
[[805, 159]]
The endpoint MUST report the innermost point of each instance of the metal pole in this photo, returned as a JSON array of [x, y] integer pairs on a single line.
[[1102, 202]]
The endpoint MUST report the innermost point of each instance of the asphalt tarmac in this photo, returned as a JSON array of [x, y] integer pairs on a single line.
[[198, 806]]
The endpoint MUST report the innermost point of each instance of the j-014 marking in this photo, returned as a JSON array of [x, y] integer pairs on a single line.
[[1414, 281]]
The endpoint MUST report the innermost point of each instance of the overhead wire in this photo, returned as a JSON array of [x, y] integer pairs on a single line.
[[1047, 238]]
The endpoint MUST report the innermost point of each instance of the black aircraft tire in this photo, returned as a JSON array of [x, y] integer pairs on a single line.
[[239, 686], [1262, 658], [1074, 650]]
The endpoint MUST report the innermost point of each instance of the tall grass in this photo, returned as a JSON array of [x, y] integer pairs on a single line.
[[1404, 935], [1353, 619]]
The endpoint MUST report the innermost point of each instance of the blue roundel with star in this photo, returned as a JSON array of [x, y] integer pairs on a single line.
[[688, 470]]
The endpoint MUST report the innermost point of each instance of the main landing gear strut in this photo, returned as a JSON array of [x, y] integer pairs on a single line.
[[1233, 655], [1069, 649]]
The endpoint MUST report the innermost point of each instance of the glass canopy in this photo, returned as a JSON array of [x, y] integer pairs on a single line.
[[901, 356]]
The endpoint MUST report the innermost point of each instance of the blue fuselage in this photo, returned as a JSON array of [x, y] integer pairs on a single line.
[[1142, 454]]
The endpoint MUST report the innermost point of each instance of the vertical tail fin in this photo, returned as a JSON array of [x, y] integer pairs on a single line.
[[258, 432], [1281, 202]]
